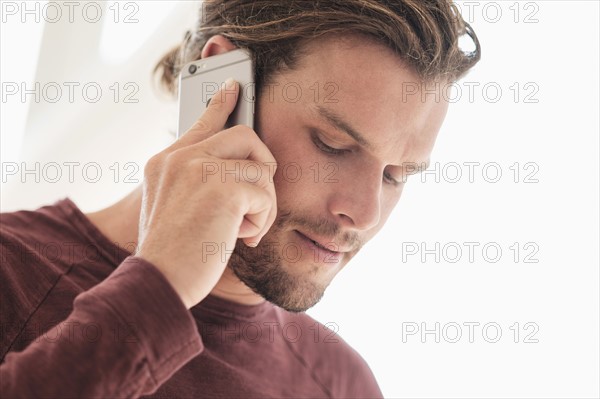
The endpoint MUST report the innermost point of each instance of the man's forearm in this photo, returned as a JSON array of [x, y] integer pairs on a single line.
[[143, 335]]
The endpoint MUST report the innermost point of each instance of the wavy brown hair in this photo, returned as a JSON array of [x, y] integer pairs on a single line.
[[424, 33]]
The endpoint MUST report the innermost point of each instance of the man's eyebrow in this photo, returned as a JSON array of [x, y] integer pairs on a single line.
[[340, 124]]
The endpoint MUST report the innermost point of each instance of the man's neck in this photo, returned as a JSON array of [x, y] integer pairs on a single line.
[[120, 224]]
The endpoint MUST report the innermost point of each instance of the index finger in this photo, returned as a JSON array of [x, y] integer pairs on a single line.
[[214, 118]]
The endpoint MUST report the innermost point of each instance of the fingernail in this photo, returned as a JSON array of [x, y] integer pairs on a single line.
[[229, 83]]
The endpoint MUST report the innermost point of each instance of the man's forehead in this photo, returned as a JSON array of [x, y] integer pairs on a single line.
[[357, 89], [352, 53]]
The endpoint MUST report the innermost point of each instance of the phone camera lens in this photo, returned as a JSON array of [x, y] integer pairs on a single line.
[[193, 69]]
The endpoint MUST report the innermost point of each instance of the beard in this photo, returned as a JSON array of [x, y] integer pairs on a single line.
[[265, 268]]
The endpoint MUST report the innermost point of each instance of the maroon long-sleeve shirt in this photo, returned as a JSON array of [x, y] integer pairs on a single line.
[[81, 317]]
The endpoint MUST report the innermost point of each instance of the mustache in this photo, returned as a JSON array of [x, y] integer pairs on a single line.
[[320, 226]]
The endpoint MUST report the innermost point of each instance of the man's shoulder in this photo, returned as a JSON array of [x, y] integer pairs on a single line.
[[335, 361], [321, 339], [48, 258], [55, 234], [46, 223]]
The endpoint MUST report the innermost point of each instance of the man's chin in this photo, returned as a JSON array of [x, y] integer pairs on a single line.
[[269, 277], [292, 293]]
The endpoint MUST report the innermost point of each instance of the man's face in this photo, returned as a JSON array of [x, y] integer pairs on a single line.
[[333, 188]]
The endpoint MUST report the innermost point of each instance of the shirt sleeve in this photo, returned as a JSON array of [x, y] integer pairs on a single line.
[[133, 334]]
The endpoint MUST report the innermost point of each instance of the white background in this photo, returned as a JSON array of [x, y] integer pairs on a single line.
[[547, 54]]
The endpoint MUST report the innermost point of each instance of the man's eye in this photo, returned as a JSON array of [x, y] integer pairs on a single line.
[[325, 148]]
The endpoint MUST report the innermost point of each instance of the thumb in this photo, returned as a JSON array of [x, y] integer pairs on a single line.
[[213, 120]]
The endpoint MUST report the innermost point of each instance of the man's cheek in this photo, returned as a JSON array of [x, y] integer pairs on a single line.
[[290, 181]]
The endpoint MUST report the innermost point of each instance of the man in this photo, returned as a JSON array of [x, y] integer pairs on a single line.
[[186, 314]]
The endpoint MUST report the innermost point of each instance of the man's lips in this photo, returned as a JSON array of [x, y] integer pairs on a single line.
[[324, 243]]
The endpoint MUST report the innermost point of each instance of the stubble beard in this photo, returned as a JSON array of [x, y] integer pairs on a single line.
[[265, 270]]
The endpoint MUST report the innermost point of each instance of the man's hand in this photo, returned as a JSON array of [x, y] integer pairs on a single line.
[[190, 205]]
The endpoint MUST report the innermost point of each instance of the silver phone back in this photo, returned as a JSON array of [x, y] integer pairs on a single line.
[[199, 80]]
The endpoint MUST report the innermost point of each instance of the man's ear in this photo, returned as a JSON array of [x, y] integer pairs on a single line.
[[217, 45]]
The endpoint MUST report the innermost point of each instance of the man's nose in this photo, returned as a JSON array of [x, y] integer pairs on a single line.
[[355, 199]]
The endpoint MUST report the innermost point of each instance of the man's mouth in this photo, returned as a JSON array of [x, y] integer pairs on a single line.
[[319, 245], [324, 244]]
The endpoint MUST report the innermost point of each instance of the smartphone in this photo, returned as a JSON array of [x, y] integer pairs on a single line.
[[200, 80]]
